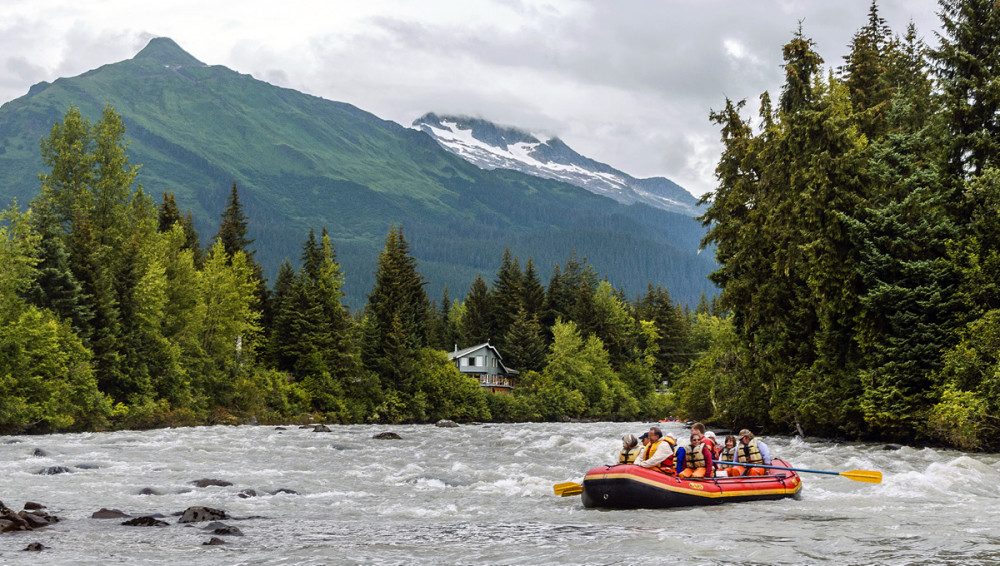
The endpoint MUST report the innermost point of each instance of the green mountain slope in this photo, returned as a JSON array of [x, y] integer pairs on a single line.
[[301, 161]]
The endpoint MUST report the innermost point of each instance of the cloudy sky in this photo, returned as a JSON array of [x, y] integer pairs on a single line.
[[627, 82]]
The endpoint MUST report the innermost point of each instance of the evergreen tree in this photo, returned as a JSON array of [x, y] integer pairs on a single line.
[[507, 293], [532, 291], [397, 314], [866, 72], [168, 212], [525, 348], [967, 63], [477, 316]]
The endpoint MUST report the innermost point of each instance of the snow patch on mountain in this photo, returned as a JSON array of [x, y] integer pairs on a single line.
[[490, 146]]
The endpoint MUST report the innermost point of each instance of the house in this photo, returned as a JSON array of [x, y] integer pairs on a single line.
[[485, 364]]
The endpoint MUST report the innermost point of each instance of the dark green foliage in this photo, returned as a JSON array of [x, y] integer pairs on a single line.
[[966, 66], [477, 319], [397, 315]]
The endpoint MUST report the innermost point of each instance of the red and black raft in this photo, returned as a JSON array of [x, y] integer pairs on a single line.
[[625, 486]]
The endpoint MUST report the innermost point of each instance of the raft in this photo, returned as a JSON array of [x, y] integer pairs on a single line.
[[625, 486]]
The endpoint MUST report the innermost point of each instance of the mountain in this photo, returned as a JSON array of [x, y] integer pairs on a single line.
[[301, 161], [490, 146]]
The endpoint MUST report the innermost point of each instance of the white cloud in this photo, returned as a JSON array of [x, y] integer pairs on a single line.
[[629, 83]]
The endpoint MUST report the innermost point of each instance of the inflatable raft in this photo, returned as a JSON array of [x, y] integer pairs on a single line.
[[626, 486]]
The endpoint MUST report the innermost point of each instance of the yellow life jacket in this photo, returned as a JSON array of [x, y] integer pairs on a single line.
[[727, 454], [628, 456], [694, 457], [651, 449], [749, 452], [667, 466]]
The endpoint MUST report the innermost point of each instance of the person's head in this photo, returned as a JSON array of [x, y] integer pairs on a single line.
[[655, 434], [645, 439], [730, 441], [698, 427], [629, 441], [746, 436], [696, 437]]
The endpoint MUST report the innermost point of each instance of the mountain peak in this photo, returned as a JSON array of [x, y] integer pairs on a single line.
[[490, 146], [165, 51]]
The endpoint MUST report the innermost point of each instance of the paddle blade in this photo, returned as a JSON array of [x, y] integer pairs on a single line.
[[572, 491], [867, 476], [561, 488]]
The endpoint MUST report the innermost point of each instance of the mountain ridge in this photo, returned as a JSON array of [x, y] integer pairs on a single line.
[[301, 162], [491, 146]]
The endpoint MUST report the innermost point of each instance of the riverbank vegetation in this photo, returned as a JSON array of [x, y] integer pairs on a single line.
[[115, 315], [856, 227]]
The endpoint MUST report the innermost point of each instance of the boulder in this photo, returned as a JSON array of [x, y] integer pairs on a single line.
[[199, 514], [228, 530], [31, 505], [214, 541], [145, 522], [39, 453], [247, 493], [53, 470], [211, 482], [105, 513], [445, 423], [150, 491], [35, 547], [892, 447], [387, 436], [26, 520], [321, 428]]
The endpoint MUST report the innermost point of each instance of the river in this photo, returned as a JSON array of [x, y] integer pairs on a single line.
[[477, 494]]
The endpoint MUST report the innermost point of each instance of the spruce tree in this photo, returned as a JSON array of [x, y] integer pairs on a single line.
[[967, 67], [507, 293], [477, 318], [396, 314]]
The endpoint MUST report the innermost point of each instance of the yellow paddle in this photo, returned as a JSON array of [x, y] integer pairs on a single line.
[[867, 476], [567, 489]]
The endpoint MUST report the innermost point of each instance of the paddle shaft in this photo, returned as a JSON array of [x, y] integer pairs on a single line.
[[867, 476], [748, 465]]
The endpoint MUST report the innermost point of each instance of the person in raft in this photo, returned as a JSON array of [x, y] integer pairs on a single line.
[[753, 451], [728, 454], [698, 457], [630, 449], [659, 454]]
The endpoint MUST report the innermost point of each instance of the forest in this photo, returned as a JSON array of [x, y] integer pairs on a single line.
[[114, 315], [855, 225], [856, 228]]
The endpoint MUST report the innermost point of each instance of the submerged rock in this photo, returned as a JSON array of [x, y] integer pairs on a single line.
[[387, 436], [247, 493], [445, 423], [150, 491], [35, 547], [892, 447], [199, 514], [145, 522], [39, 453], [105, 513], [214, 541], [321, 428], [211, 482], [53, 470]]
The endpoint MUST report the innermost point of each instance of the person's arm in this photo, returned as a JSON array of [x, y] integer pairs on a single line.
[[765, 452], [661, 454], [679, 458], [708, 458], [638, 457]]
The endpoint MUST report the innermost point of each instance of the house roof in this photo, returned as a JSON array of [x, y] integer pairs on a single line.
[[459, 353]]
